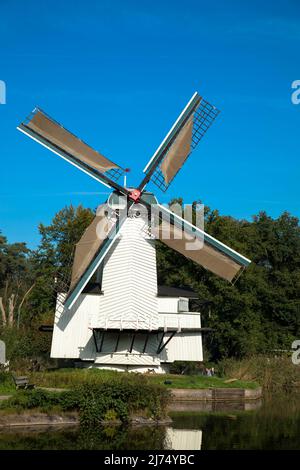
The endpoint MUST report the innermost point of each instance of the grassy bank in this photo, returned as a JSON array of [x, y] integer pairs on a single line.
[[102, 395], [97, 397], [65, 378], [199, 381], [273, 373], [70, 378]]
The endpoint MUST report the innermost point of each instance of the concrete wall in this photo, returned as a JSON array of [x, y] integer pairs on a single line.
[[211, 394]]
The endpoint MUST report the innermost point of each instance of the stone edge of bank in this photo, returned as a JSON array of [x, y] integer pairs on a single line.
[[215, 394]]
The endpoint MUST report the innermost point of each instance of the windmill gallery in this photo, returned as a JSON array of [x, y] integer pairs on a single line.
[[113, 314]]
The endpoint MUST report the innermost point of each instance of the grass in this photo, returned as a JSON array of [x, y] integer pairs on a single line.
[[7, 386], [199, 381], [69, 378]]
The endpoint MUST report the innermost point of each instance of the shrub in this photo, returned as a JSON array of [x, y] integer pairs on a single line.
[[24, 342], [121, 396], [110, 415], [29, 399], [69, 400], [6, 381]]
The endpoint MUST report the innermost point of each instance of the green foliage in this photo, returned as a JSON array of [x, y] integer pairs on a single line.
[[41, 399], [55, 253], [6, 383], [201, 381], [111, 415], [29, 399], [71, 377], [13, 262], [261, 312], [120, 397], [23, 344], [184, 367], [69, 400], [16, 281]]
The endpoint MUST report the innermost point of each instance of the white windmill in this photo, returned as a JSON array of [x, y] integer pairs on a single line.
[[124, 320]]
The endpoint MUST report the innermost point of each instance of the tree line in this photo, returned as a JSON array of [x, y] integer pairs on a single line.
[[259, 314]]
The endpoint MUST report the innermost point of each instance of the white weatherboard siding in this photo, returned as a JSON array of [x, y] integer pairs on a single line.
[[168, 304], [130, 281], [184, 347], [72, 337]]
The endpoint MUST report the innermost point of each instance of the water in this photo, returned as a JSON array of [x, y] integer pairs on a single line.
[[273, 425]]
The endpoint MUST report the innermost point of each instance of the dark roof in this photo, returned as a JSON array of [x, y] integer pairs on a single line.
[[166, 291]]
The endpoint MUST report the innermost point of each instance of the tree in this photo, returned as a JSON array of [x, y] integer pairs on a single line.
[[261, 312], [16, 281], [52, 260]]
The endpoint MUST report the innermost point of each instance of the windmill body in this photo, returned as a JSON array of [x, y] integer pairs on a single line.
[[119, 322], [114, 314]]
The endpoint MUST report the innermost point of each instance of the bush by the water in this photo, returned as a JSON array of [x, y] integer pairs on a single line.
[[124, 396], [36, 398], [98, 401]]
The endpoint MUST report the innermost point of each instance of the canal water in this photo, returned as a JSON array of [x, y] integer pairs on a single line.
[[271, 424]]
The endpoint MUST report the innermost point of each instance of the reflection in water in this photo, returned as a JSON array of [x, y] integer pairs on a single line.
[[183, 439], [208, 406], [275, 425]]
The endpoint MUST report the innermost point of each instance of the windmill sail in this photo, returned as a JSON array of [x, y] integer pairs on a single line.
[[178, 152], [182, 139], [89, 245], [199, 246], [207, 256], [90, 251], [51, 134]]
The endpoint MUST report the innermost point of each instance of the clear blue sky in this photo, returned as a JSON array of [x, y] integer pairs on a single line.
[[118, 73]]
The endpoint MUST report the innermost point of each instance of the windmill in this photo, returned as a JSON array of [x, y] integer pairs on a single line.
[[123, 320]]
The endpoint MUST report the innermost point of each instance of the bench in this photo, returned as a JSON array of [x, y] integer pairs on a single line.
[[23, 382]]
